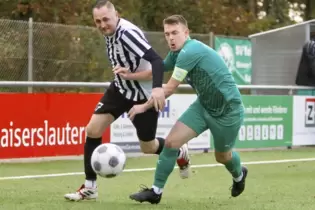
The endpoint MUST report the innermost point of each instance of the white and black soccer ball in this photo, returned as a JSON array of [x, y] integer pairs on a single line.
[[108, 160]]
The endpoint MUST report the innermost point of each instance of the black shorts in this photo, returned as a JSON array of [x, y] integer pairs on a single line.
[[114, 103]]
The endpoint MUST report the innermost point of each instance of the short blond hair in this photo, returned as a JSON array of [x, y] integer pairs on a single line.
[[175, 19]]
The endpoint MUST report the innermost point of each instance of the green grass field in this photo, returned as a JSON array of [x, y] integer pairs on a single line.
[[280, 186]]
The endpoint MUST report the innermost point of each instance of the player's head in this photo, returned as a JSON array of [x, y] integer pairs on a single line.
[[105, 17], [176, 31]]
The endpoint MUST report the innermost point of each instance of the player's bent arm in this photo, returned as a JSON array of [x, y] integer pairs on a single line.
[[141, 76], [170, 87], [141, 48]]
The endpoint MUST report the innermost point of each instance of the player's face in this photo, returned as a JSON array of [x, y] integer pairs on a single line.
[[176, 35], [105, 20]]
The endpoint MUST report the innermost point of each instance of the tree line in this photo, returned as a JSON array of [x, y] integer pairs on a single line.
[[77, 53], [229, 17]]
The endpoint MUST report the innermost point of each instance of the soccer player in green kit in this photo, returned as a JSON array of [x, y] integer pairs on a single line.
[[218, 107]]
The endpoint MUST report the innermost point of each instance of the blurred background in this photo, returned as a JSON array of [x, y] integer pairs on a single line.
[[55, 40]]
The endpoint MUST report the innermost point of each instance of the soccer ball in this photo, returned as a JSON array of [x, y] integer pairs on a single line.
[[108, 160]]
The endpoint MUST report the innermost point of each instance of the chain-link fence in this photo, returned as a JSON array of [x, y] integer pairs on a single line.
[[55, 52]]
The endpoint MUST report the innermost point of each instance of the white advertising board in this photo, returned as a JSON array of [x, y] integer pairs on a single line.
[[303, 120]]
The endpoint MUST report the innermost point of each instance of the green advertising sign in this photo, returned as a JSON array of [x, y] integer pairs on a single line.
[[267, 123], [237, 54]]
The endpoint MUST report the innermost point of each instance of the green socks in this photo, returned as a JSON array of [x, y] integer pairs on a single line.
[[167, 160], [165, 166], [234, 165]]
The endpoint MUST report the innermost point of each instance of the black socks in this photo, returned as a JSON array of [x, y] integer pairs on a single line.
[[89, 147]]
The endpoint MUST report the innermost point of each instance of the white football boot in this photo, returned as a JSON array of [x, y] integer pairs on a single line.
[[82, 194], [183, 162]]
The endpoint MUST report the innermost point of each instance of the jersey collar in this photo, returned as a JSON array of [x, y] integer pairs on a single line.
[[187, 40]]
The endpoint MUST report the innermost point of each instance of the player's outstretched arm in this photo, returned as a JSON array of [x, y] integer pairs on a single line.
[[140, 108], [177, 77], [170, 87]]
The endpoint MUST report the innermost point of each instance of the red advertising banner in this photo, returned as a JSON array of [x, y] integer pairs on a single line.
[[45, 125]]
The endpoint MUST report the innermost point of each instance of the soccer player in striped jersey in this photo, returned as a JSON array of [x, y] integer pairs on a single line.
[[218, 107], [134, 63]]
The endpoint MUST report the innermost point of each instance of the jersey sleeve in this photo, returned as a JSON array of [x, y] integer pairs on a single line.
[[187, 60], [135, 43], [169, 62]]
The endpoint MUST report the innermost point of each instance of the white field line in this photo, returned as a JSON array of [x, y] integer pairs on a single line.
[[152, 169]]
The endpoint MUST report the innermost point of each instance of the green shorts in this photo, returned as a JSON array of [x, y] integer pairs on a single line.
[[224, 129]]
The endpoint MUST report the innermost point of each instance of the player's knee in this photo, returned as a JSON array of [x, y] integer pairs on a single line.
[[148, 147], [169, 143], [97, 125], [223, 157], [148, 150], [94, 131]]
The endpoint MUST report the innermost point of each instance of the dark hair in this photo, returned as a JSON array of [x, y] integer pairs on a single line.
[[100, 3], [175, 19]]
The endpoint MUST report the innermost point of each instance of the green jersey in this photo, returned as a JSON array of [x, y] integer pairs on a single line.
[[204, 69]]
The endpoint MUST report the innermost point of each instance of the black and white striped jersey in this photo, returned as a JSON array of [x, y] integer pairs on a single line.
[[126, 48]]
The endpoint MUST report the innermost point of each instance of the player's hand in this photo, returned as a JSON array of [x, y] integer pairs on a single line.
[[136, 109], [122, 72], [158, 98]]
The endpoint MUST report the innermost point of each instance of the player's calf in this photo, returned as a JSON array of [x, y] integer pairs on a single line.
[[153, 146], [95, 128], [232, 162], [156, 146]]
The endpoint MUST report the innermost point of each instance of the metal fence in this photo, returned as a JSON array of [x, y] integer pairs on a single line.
[[53, 52]]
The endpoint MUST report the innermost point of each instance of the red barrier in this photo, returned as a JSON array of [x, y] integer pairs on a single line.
[[42, 125]]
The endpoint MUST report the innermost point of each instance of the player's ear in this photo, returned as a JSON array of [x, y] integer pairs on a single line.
[[187, 31]]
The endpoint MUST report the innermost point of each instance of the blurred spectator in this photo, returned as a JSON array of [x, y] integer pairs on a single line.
[[306, 71], [24, 11]]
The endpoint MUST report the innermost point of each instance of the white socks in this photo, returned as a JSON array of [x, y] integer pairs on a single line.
[[90, 184], [238, 179], [157, 190]]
